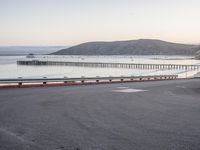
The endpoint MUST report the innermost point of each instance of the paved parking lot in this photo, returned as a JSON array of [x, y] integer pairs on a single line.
[[160, 115]]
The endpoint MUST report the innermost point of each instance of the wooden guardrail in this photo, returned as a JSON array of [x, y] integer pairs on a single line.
[[29, 82]]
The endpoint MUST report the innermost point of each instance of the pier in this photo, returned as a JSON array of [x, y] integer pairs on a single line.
[[110, 65]]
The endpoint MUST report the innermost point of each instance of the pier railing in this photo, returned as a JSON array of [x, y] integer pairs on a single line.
[[29, 82]]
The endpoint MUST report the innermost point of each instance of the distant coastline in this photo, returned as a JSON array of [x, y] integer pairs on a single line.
[[25, 50]]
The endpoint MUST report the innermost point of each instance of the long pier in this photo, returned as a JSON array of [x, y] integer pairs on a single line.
[[110, 65]]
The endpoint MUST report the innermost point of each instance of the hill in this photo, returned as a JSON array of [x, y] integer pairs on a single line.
[[198, 54], [132, 47]]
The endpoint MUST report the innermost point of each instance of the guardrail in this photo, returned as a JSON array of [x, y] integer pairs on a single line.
[[29, 82]]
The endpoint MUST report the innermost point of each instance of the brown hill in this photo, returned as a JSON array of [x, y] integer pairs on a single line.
[[132, 47]]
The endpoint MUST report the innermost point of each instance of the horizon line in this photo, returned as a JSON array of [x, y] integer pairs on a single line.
[[63, 45]]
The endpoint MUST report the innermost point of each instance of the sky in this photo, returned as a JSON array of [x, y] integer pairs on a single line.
[[70, 22]]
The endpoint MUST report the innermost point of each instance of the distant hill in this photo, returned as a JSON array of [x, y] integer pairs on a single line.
[[198, 54], [133, 47]]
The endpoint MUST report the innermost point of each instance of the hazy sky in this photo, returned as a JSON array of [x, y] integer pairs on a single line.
[[69, 22]]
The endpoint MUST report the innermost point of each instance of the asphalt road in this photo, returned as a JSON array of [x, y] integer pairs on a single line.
[[161, 115]]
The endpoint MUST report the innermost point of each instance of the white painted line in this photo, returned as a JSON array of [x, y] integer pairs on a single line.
[[183, 87], [122, 87], [130, 90]]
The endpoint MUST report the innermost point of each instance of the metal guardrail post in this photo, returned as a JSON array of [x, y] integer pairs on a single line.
[[122, 78], [82, 80], [19, 83], [66, 79], [110, 80], [44, 81]]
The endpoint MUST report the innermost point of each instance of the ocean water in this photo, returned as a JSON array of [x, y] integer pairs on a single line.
[[9, 68]]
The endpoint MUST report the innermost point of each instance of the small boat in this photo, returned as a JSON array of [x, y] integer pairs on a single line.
[[31, 55]]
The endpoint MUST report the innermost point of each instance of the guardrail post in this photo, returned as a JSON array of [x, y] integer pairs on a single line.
[[44, 81], [65, 78], [110, 80], [20, 83], [82, 80], [122, 78], [97, 81]]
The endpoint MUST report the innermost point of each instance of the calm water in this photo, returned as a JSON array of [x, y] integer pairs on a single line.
[[9, 68]]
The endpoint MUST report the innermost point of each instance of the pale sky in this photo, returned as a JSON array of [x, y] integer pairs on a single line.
[[70, 22]]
